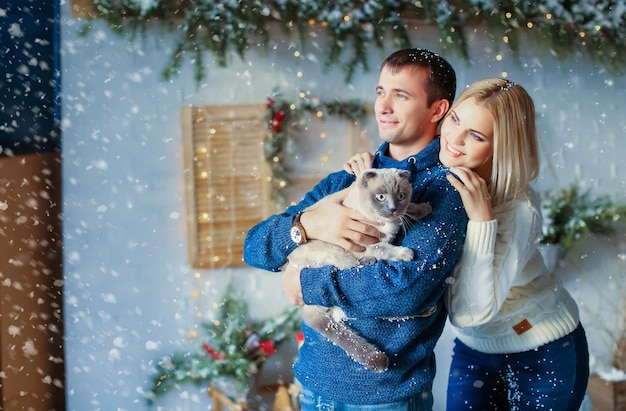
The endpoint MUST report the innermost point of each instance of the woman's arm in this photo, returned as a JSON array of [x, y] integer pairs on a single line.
[[494, 255]]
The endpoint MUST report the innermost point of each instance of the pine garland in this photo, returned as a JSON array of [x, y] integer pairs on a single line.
[[285, 120], [233, 345], [563, 29]]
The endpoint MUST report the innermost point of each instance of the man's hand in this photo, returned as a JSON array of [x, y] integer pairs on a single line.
[[474, 193], [291, 283], [334, 223]]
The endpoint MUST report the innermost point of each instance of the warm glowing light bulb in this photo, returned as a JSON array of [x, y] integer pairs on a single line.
[[319, 114], [504, 74], [530, 24], [505, 39], [299, 74], [296, 53], [213, 131], [499, 57]]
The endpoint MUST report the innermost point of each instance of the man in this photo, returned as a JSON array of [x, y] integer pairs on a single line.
[[398, 306]]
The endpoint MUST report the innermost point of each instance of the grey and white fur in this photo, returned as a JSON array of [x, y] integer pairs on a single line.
[[382, 195]]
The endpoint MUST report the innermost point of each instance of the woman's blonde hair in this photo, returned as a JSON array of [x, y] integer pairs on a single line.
[[515, 145]]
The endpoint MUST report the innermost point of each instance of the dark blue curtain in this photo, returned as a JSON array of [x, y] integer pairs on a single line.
[[29, 77]]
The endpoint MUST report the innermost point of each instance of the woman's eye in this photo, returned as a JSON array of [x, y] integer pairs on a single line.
[[476, 137]]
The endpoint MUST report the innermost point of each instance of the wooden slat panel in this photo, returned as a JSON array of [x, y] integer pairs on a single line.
[[226, 174]]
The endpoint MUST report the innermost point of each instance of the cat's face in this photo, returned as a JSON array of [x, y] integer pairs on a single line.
[[384, 194]]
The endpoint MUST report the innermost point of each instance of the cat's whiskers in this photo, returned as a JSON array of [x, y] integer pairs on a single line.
[[405, 224]]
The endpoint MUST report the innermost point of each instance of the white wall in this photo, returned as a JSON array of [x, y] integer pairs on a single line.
[[128, 287]]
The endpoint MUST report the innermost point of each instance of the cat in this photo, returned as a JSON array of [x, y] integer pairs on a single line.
[[382, 195]]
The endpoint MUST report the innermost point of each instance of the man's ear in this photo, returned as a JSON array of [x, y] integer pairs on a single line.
[[439, 109]]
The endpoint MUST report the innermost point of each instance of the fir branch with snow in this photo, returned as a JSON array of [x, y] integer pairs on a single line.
[[561, 29], [233, 345]]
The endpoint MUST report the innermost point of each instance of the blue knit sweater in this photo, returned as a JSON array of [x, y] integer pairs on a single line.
[[386, 301]]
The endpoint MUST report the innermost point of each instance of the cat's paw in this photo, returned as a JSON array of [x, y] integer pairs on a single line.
[[367, 260], [405, 254], [418, 210]]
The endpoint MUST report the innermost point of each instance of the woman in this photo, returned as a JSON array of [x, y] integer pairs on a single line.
[[519, 342]]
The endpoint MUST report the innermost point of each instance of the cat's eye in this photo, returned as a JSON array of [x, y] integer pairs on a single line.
[[381, 197], [401, 196]]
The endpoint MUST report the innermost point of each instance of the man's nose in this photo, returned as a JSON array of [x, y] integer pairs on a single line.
[[384, 104]]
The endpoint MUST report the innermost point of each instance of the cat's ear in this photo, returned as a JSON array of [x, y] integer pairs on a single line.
[[367, 176], [404, 173]]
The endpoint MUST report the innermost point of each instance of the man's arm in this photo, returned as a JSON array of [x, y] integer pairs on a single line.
[[393, 289], [268, 243]]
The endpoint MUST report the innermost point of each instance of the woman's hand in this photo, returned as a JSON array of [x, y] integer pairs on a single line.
[[474, 193], [358, 163]]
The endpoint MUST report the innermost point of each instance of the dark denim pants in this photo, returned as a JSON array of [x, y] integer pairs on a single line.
[[551, 377], [309, 401]]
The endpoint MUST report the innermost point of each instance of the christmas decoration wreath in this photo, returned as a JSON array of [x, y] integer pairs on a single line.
[[285, 119], [564, 29]]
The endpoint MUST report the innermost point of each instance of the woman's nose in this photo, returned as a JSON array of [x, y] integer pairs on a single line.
[[456, 137]]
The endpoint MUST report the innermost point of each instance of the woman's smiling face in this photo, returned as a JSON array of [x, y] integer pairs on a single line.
[[467, 138]]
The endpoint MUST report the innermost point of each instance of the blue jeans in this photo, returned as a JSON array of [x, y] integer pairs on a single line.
[[551, 377], [309, 401]]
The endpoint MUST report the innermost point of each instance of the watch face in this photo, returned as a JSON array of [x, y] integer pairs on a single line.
[[296, 235]]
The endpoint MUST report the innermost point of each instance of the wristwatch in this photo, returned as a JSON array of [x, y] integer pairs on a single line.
[[298, 235]]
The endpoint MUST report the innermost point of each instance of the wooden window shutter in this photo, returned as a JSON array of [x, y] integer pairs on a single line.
[[227, 185]]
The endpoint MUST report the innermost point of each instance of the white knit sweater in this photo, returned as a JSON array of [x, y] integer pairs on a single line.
[[503, 299]]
